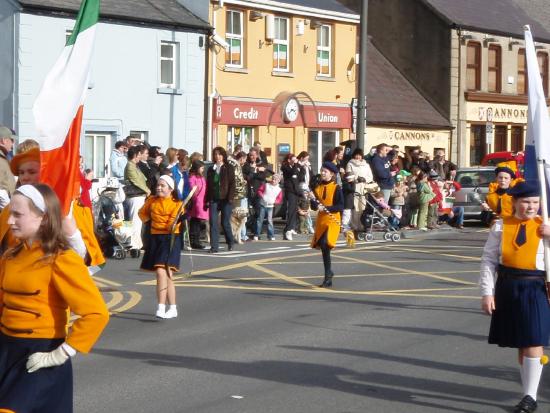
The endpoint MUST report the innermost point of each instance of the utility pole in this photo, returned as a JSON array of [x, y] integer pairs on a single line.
[[361, 92]]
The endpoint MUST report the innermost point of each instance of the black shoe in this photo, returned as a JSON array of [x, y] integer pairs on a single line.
[[526, 405], [198, 246], [327, 282], [212, 251], [230, 247]]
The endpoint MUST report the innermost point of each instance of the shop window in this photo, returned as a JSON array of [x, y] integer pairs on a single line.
[[234, 37], [495, 69], [522, 73], [477, 144], [97, 148], [543, 69], [319, 143], [141, 135], [324, 50], [168, 64], [240, 135], [281, 45], [517, 139], [473, 66], [500, 138]]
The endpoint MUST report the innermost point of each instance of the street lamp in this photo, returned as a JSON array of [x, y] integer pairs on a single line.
[[361, 89]]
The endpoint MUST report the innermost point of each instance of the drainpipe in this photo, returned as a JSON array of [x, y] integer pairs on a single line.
[[211, 88]]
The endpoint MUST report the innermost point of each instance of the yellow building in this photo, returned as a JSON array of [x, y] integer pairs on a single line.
[[282, 73]]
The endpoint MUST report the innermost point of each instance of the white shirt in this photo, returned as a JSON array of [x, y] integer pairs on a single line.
[[492, 257]]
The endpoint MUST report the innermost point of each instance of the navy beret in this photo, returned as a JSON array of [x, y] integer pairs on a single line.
[[525, 189], [505, 169], [330, 166]]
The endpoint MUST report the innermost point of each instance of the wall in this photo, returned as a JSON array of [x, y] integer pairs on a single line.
[[125, 76], [259, 77], [7, 30], [418, 43]]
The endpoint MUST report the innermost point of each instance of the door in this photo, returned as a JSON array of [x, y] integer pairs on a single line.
[[97, 149], [501, 138], [319, 143], [517, 138]]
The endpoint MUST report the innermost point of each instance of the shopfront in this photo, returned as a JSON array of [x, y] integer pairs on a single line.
[[428, 139], [280, 126], [494, 127]]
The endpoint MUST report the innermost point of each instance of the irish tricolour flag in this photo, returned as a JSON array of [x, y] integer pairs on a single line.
[[59, 106]]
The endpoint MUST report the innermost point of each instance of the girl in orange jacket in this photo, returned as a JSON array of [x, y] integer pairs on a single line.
[[41, 277], [162, 254]]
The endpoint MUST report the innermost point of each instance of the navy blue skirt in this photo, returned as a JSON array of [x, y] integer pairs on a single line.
[[46, 390], [158, 254], [522, 312]]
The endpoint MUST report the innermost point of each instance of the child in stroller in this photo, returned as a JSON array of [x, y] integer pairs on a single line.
[[113, 233], [377, 214]]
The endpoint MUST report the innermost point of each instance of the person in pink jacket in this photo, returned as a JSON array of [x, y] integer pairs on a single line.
[[197, 212]]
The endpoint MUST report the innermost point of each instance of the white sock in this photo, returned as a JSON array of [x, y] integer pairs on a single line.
[[162, 308], [532, 370], [172, 307]]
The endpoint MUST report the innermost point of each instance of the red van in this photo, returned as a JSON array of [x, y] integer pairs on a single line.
[[493, 159]]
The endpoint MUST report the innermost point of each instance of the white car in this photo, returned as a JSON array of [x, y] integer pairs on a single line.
[[475, 185]]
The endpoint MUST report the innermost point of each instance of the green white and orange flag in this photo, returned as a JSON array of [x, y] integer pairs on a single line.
[[59, 106]]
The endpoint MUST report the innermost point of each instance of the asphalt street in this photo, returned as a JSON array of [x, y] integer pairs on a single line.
[[400, 331]]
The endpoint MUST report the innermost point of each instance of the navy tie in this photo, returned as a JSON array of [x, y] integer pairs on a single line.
[[499, 206], [521, 237]]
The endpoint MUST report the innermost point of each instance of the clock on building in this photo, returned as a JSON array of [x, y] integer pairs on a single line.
[[290, 110]]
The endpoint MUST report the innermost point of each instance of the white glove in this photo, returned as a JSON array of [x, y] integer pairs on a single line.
[[38, 361]]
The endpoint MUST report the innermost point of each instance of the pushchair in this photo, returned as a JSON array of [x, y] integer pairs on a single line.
[[113, 234], [373, 217]]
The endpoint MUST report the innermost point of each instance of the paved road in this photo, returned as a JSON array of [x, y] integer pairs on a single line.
[[399, 332]]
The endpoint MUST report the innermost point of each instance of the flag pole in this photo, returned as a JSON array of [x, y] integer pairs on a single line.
[[544, 209]]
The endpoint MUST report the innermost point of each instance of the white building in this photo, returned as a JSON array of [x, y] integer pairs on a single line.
[[148, 72]]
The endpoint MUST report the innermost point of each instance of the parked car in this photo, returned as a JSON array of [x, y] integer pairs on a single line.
[[493, 159], [475, 185]]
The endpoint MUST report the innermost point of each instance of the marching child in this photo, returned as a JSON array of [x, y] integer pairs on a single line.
[[42, 278], [517, 302], [162, 253], [329, 200], [270, 194]]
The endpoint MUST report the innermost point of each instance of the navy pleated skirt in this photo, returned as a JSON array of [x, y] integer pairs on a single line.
[[46, 390], [158, 253], [522, 312]]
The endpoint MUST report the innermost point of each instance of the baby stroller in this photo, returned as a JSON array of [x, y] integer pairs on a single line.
[[113, 234], [373, 217]]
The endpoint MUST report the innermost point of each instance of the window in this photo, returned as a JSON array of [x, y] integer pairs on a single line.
[[239, 135], [234, 38], [168, 64], [522, 73], [324, 50], [517, 138], [500, 138], [473, 66], [97, 147], [281, 44], [319, 143], [495, 69], [477, 144], [543, 69], [141, 135]]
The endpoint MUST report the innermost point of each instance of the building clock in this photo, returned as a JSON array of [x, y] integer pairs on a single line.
[[291, 109]]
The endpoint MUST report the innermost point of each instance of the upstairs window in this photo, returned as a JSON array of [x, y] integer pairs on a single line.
[[168, 64], [473, 66], [543, 69], [281, 46], [324, 50], [522, 73], [234, 37], [495, 69]]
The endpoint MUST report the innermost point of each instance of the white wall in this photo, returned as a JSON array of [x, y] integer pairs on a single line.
[[125, 78], [7, 16]]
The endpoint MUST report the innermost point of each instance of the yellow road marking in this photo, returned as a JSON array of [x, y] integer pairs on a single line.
[[425, 274], [331, 291], [135, 298], [281, 276], [117, 297], [105, 281], [438, 253]]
